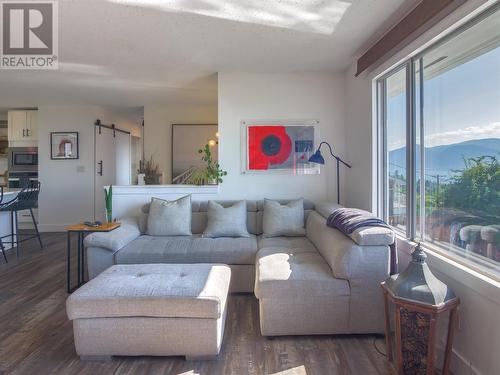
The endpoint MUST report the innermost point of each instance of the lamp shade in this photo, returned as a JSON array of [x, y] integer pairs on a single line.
[[317, 158], [417, 283]]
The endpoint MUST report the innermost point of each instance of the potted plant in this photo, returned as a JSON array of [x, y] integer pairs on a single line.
[[108, 200], [198, 177], [213, 172], [151, 172]]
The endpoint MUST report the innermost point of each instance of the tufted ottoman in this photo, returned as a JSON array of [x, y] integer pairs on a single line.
[[151, 309]]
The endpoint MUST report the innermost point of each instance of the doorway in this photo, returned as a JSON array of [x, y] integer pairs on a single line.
[[112, 163]]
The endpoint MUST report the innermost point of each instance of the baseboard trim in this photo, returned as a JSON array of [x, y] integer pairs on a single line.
[[460, 365]]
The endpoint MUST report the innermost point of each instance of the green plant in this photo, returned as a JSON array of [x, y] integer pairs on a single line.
[[477, 187], [198, 177], [108, 200], [213, 171], [149, 167]]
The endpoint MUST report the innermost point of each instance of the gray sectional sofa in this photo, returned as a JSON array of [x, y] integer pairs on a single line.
[[320, 283]]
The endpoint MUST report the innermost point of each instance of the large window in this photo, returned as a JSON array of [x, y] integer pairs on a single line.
[[440, 121], [395, 121]]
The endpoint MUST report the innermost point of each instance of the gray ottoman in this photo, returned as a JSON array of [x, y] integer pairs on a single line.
[[151, 309]]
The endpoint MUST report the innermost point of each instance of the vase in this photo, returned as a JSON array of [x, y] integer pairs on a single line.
[[141, 179], [212, 181], [152, 179], [109, 216]]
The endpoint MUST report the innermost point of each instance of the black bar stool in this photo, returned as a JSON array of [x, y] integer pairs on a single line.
[[25, 199]]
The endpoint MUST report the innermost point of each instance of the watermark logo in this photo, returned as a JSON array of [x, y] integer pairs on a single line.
[[29, 32]]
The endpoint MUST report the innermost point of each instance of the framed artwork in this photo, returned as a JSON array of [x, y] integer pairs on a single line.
[[279, 146], [63, 145]]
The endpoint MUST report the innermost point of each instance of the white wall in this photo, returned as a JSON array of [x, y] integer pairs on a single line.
[[359, 141], [476, 344], [67, 186], [158, 122], [135, 128], [285, 97]]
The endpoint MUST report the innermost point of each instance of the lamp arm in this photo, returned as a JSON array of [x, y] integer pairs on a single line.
[[331, 153]]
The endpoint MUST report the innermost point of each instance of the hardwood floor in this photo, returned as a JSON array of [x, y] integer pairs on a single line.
[[36, 336]]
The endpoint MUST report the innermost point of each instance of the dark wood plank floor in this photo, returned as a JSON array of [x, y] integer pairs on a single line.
[[36, 336]]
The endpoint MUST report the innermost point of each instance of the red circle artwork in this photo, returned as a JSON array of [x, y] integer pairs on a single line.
[[267, 145]]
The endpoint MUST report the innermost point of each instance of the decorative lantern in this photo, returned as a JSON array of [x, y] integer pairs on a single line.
[[418, 298]]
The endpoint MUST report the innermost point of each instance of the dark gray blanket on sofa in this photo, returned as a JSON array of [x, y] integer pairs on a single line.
[[347, 220]]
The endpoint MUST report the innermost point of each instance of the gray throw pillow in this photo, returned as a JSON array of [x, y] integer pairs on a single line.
[[283, 219], [226, 221], [143, 223], [170, 218]]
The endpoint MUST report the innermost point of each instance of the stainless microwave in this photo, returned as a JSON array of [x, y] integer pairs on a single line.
[[23, 159]]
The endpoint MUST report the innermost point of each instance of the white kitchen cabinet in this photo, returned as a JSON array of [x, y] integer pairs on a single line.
[[16, 125], [31, 125], [23, 127]]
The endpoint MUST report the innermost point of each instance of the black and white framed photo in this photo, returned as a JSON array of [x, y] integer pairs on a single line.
[[63, 145]]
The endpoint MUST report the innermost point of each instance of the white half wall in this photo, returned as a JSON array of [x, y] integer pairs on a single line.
[[158, 122], [297, 96]]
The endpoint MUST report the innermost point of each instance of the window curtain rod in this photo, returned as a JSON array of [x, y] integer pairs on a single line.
[[425, 15]]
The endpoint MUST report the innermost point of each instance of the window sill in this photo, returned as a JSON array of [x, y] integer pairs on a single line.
[[483, 284]]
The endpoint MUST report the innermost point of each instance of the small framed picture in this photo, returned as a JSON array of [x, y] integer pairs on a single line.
[[63, 145]]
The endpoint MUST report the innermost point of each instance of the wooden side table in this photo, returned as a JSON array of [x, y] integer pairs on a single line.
[[82, 230]]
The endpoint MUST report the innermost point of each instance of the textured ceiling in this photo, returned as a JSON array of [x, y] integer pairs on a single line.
[[134, 52]]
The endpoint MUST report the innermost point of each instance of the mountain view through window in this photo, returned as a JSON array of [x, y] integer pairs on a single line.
[[457, 145]]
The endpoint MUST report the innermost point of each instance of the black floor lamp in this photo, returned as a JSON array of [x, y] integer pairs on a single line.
[[318, 159]]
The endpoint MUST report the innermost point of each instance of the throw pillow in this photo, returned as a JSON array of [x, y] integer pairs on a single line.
[[143, 223], [170, 218], [226, 221], [283, 219]]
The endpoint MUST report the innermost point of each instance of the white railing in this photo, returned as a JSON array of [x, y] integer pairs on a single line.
[[184, 176]]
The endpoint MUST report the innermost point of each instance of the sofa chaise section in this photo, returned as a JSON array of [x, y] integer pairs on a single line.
[[363, 266], [298, 294], [324, 283]]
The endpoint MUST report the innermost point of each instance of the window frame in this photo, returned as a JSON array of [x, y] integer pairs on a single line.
[[410, 64]]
